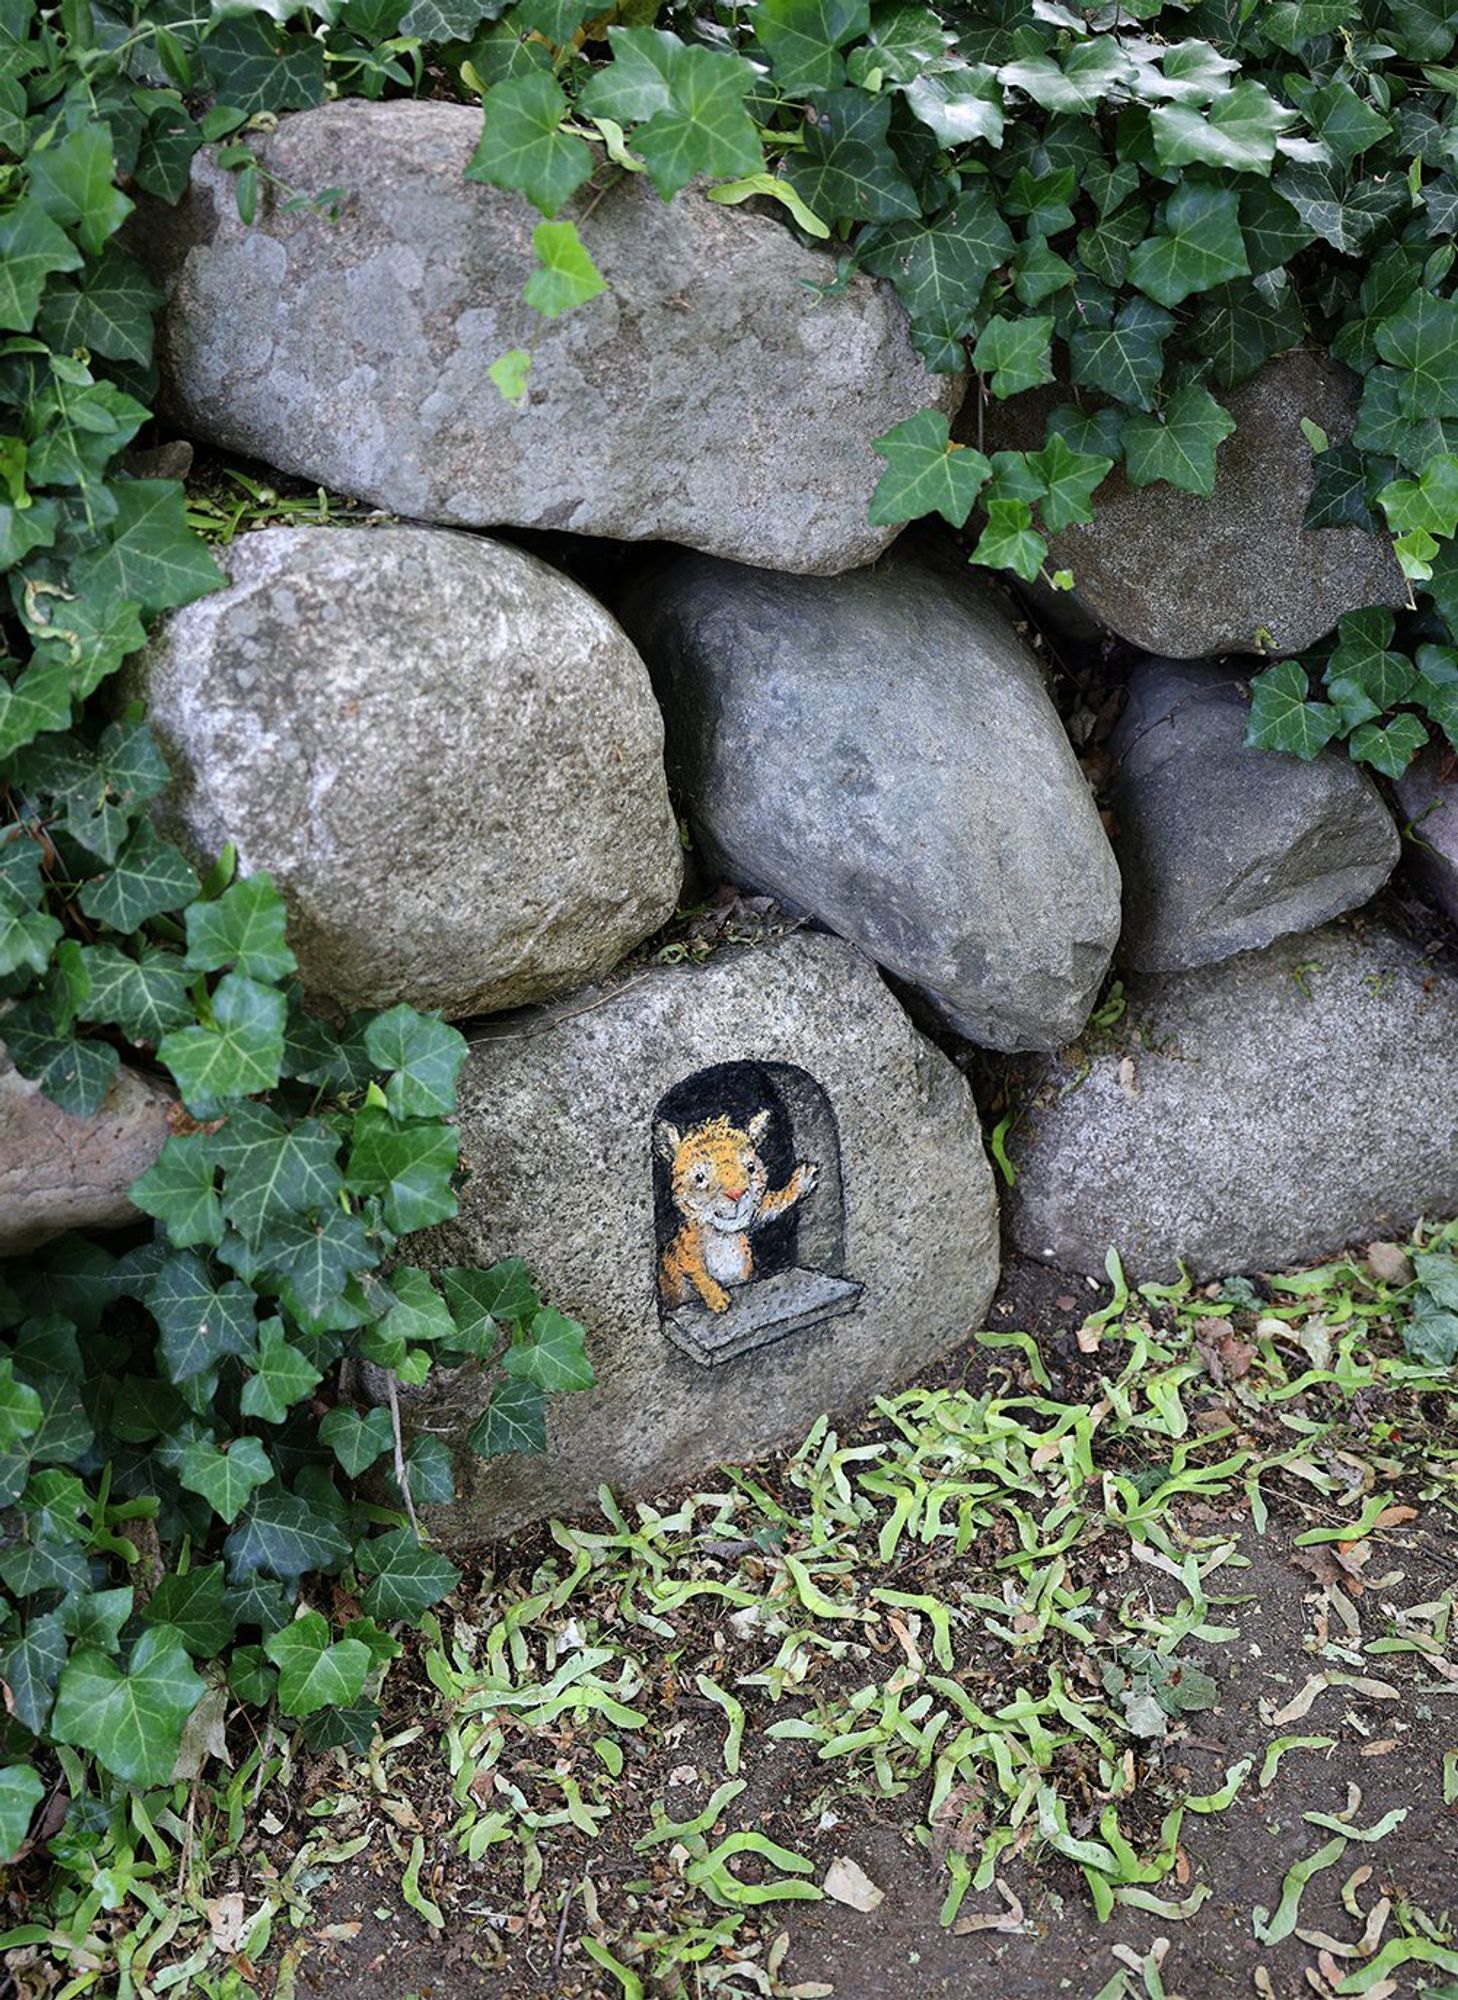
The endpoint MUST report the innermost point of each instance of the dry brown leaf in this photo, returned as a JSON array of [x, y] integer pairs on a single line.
[[1389, 1264], [1393, 1517], [847, 1882], [228, 1921], [1010, 1921]]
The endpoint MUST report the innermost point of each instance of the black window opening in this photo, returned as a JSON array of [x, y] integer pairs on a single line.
[[731, 1278]]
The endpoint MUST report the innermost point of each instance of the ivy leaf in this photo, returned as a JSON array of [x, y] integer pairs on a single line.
[[939, 268], [1421, 339], [1240, 326], [192, 1605], [150, 876], [483, 1302], [1199, 244], [179, 1190], [239, 1053], [284, 1536], [152, 557], [515, 1419], [1015, 354], [130, 1720], [145, 996], [1391, 749], [565, 275], [1344, 122], [1090, 71], [1431, 1335], [636, 84], [1428, 504], [1364, 677], [1181, 449], [21, 1791], [523, 146], [1282, 717], [704, 129], [109, 310], [1272, 229], [199, 1321], [408, 1166], [437, 21], [226, 1476], [1238, 133], [312, 1672], [20, 1407], [959, 106], [244, 928], [74, 1074], [428, 1469], [1436, 687], [1039, 271], [256, 68], [926, 473], [102, 790], [74, 181], [846, 166], [317, 1259], [1126, 359], [31, 248], [1010, 541], [274, 1169], [425, 1055], [1190, 72], [1348, 218], [357, 1441], [30, 1666], [554, 1355], [419, 1314], [803, 39], [282, 1377], [1069, 480], [405, 1579]]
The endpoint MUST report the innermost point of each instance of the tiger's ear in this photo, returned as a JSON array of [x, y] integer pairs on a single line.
[[758, 1125], [666, 1141]]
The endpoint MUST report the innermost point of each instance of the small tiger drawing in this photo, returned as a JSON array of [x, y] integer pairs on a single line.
[[721, 1189]]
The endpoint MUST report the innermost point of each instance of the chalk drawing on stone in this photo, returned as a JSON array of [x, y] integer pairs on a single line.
[[749, 1209]]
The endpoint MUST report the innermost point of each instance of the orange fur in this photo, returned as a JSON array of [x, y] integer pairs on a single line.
[[721, 1190]]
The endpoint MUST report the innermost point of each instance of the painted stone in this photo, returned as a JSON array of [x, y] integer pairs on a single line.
[[1249, 1116], [762, 1191]]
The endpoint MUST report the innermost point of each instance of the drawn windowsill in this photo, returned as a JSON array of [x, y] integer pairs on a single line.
[[763, 1310]]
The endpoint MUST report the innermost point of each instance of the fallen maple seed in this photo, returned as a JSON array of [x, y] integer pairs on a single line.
[[1010, 1921]]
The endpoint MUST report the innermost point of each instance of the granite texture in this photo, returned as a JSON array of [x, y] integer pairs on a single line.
[[1427, 800], [60, 1172]]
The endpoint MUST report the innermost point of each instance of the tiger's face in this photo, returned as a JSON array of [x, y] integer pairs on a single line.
[[719, 1179]]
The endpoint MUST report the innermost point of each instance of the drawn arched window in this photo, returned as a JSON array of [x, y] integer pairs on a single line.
[[749, 1209]]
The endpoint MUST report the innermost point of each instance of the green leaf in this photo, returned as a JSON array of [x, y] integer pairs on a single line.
[[409, 1166], [1237, 133], [1009, 540], [1437, 1273], [109, 310], [179, 1190], [705, 128], [151, 876], [1436, 687], [286, 1537], [146, 996], [435, 21], [510, 373], [926, 473], [30, 1666], [31, 248], [1421, 339], [357, 1441], [274, 1169], [1431, 1335], [74, 1074], [1391, 749], [199, 1320], [258, 68], [282, 1377], [483, 1302], [1364, 677], [73, 180], [637, 83], [20, 1407], [803, 39], [1349, 218], [565, 275], [1038, 271], [515, 1419], [1199, 245], [959, 106], [1344, 122], [1272, 229], [1069, 480], [1124, 360], [241, 1052], [428, 1468], [21, 1791], [939, 268], [425, 1055], [96, 1617], [405, 1579], [1282, 717], [312, 1672], [846, 166], [130, 1720], [1015, 354], [317, 1258], [523, 147], [243, 928], [226, 1476], [553, 1357], [1182, 448], [1090, 71], [192, 1605], [152, 556], [1428, 504], [1240, 326]]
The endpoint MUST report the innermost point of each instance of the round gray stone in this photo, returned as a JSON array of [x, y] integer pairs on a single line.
[[1427, 798], [1250, 1116], [1222, 848], [447, 755], [60, 1172], [879, 751], [709, 395], [897, 1250]]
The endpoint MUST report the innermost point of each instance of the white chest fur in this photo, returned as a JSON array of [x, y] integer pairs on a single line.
[[726, 1257]]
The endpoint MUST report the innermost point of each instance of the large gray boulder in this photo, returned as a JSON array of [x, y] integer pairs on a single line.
[[60, 1172], [447, 755], [710, 395], [1182, 576], [886, 1256], [879, 750], [1427, 797], [1221, 848], [1250, 1116]]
